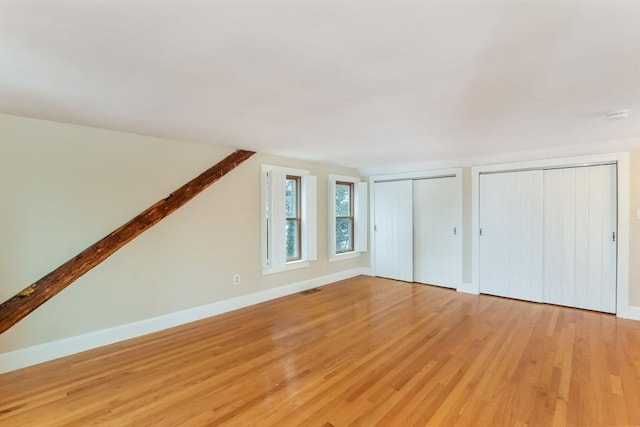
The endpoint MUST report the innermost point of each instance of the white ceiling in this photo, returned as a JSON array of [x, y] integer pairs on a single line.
[[358, 83]]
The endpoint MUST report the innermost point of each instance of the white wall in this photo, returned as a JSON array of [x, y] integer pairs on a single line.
[[63, 187]]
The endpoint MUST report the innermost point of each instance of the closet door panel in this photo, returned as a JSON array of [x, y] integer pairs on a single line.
[[494, 236], [393, 228], [511, 242], [490, 233], [580, 251], [582, 232], [568, 212], [526, 236], [608, 295], [552, 235], [437, 252]]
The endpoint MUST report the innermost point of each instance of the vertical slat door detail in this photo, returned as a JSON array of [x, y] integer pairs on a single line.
[[393, 228], [580, 213], [511, 244], [437, 250]]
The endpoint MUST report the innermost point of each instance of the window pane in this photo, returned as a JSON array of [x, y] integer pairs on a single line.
[[291, 198], [344, 235], [293, 240], [343, 200]]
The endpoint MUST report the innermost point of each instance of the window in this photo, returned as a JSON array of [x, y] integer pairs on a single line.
[[292, 213], [288, 218], [347, 217], [344, 217]]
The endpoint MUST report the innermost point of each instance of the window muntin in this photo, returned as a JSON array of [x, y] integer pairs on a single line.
[[344, 217], [293, 218]]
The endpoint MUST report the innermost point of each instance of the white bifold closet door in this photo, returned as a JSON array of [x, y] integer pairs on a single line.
[[393, 228], [436, 233], [579, 237], [511, 233]]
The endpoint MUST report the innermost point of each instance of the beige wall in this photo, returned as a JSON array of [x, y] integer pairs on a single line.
[[64, 186], [634, 231]]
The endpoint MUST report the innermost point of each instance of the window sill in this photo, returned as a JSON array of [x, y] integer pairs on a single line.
[[293, 265], [343, 256]]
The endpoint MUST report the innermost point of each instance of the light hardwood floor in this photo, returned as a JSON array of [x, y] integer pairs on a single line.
[[364, 351]]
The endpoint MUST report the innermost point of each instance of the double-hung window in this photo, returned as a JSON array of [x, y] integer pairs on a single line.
[[344, 217], [288, 218], [347, 217], [293, 217]]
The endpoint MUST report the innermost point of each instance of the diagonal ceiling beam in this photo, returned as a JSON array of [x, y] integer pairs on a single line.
[[33, 296]]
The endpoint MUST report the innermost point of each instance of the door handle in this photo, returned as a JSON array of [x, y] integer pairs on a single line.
[[614, 236], [455, 230]]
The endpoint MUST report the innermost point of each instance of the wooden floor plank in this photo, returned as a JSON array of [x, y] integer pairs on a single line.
[[364, 351]]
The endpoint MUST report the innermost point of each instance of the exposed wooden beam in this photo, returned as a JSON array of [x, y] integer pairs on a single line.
[[24, 302]]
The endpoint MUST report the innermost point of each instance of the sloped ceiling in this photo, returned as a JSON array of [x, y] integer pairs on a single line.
[[357, 83]]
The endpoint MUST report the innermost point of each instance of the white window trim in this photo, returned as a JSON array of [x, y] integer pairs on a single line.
[[360, 217], [308, 215]]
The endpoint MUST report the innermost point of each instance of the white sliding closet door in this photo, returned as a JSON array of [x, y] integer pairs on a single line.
[[436, 232], [580, 243], [393, 228], [511, 245]]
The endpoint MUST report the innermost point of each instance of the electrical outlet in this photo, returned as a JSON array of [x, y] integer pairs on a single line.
[[236, 279]]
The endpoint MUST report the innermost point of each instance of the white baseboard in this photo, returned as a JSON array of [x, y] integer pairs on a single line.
[[53, 350], [629, 312], [367, 271], [468, 288]]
